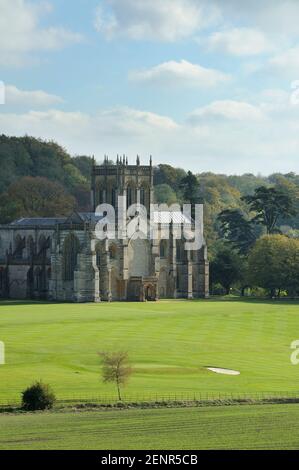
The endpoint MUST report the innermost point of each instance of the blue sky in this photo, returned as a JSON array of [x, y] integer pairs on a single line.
[[203, 84]]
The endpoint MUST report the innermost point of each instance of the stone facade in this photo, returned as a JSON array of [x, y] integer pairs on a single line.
[[63, 260]]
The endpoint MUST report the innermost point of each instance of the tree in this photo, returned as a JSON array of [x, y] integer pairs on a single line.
[[167, 174], [38, 397], [116, 369], [35, 197], [241, 233], [164, 194], [190, 188], [274, 264], [226, 268], [270, 204]]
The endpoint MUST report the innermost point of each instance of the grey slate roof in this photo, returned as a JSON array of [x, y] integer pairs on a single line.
[[38, 221]]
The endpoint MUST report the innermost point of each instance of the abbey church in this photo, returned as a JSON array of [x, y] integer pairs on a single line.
[[62, 259]]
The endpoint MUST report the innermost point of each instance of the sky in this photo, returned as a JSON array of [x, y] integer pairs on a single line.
[[207, 85]]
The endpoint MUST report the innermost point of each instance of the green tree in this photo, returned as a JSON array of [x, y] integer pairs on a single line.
[[270, 204], [167, 174], [190, 188], [239, 231], [273, 264], [35, 197], [164, 194], [226, 268]]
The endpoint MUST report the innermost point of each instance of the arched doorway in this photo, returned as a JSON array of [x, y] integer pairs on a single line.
[[149, 292]]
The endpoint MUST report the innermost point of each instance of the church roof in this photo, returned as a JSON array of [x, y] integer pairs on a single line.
[[38, 221]]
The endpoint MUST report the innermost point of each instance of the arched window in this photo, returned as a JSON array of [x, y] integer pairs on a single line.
[[180, 252], [129, 197], [30, 246], [163, 249], [19, 247], [71, 249], [142, 196], [37, 279]]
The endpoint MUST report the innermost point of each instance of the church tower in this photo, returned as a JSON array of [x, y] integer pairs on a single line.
[[134, 182]]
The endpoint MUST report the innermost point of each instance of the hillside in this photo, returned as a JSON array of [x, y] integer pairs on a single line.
[[69, 177]]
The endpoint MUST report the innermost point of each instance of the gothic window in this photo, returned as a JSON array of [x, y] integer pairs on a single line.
[[70, 251], [129, 197], [163, 249], [19, 247], [37, 279], [142, 196], [30, 246], [180, 251]]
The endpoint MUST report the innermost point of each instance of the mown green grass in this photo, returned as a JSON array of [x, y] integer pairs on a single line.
[[231, 427], [170, 344]]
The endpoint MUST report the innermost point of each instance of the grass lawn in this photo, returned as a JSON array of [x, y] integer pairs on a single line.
[[231, 427], [170, 344]]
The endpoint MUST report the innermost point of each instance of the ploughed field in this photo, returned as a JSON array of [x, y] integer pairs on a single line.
[[170, 343], [219, 427]]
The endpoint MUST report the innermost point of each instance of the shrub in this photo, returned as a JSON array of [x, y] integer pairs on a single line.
[[38, 397]]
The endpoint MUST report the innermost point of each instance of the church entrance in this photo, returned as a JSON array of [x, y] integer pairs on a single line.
[[149, 292]]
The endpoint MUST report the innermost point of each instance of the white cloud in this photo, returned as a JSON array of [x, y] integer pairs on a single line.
[[240, 42], [36, 98], [184, 73], [237, 141], [228, 110], [271, 16], [286, 62], [117, 129], [21, 34], [165, 20]]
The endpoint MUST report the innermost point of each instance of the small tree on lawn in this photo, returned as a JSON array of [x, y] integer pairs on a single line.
[[116, 369]]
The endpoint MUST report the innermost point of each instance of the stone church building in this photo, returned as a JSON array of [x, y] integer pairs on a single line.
[[62, 259]]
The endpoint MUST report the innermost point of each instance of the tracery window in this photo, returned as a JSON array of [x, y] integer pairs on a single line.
[[71, 249]]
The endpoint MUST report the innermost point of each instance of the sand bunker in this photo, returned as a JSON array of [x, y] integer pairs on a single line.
[[219, 370]]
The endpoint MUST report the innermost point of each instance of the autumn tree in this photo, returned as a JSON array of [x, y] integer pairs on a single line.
[[116, 369], [35, 197]]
